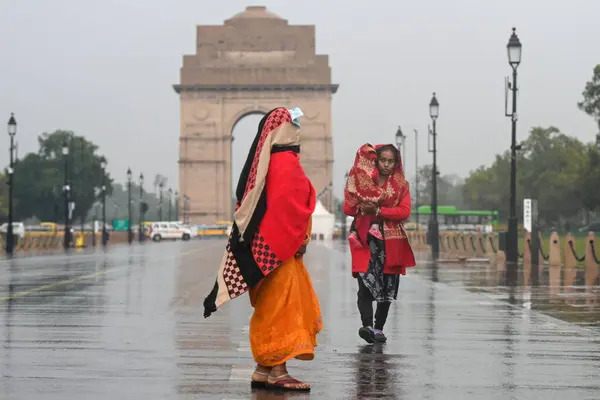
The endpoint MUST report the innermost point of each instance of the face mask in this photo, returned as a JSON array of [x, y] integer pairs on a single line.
[[295, 114]]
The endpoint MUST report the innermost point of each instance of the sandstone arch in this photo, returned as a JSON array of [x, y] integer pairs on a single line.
[[252, 63]]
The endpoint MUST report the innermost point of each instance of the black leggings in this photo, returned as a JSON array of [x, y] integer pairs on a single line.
[[365, 307]]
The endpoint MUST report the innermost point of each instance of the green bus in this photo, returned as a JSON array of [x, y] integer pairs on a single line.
[[450, 218]]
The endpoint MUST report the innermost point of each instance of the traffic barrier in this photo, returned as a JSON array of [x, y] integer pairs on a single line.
[[562, 259]]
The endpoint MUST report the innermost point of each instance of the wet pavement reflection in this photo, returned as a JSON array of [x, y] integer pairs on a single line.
[[128, 324]]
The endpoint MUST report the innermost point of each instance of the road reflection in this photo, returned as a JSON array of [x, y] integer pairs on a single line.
[[569, 294]]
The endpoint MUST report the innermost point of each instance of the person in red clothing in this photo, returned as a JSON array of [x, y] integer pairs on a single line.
[[377, 195]]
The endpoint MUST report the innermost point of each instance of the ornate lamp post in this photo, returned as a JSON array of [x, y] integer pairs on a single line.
[[434, 109], [67, 195], [12, 131], [417, 179], [104, 233], [513, 48], [141, 230], [129, 231], [400, 143]]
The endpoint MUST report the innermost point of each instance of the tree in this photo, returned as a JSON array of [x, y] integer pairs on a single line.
[[449, 188], [588, 185], [553, 163], [116, 205], [549, 167], [591, 99], [39, 178]]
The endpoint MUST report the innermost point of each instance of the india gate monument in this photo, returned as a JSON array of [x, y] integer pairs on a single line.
[[254, 62]]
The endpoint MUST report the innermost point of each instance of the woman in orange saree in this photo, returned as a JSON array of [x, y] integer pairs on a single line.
[[275, 201]]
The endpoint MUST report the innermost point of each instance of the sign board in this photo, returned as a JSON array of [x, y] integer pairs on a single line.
[[530, 214], [120, 225], [527, 215]]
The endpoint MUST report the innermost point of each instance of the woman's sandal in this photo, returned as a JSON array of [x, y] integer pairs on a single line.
[[286, 382], [254, 384]]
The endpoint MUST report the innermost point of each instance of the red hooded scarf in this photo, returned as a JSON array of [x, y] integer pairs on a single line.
[[362, 186]]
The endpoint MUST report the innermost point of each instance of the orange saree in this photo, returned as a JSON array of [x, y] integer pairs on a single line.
[[287, 315]]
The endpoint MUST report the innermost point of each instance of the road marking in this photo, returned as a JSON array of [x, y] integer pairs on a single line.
[[94, 275]]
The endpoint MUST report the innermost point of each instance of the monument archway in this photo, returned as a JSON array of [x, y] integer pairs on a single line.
[[251, 64]]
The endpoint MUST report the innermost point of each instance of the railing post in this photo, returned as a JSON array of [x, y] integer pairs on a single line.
[[555, 264], [591, 266], [480, 246]]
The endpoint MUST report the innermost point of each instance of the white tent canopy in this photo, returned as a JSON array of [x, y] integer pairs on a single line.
[[323, 223]]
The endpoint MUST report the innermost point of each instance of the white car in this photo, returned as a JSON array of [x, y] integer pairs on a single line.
[[169, 230], [18, 229]]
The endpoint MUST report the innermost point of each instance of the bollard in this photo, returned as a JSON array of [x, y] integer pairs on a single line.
[[490, 248], [35, 245], [527, 258], [591, 260], [463, 245], [471, 244], [443, 249], [554, 261], [500, 254], [570, 270], [480, 244]]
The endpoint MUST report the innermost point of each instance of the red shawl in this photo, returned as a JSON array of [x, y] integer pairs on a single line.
[[275, 200], [362, 186]]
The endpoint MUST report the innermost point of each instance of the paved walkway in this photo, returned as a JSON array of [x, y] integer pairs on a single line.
[[128, 325]]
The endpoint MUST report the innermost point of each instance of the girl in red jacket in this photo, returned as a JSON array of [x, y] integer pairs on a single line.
[[377, 195]]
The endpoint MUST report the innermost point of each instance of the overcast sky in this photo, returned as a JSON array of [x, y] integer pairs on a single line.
[[105, 68]]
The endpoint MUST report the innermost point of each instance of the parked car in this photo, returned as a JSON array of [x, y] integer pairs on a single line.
[[18, 229], [169, 230]]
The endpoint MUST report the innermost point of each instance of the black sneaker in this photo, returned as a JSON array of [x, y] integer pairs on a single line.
[[379, 337], [366, 334]]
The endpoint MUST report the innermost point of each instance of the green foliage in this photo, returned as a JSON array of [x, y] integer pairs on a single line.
[[449, 188], [551, 167], [39, 178], [591, 97], [588, 185], [116, 205]]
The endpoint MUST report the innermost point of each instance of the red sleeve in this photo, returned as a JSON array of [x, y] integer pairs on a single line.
[[349, 210], [399, 213]]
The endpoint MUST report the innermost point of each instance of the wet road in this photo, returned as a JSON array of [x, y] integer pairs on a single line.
[[128, 325]]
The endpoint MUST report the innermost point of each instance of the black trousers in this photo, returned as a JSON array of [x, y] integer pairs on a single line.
[[365, 307]]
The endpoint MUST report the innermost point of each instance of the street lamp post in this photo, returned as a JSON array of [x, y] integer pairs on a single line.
[[12, 131], [400, 143], [434, 109], [160, 202], [67, 194], [185, 209], [176, 205], [81, 150], [417, 179], [344, 218], [170, 202], [513, 48], [129, 231], [104, 233], [141, 229]]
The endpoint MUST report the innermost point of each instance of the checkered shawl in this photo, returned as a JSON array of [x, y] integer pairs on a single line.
[[275, 200]]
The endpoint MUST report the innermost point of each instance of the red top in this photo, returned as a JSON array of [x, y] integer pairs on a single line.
[[361, 257]]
